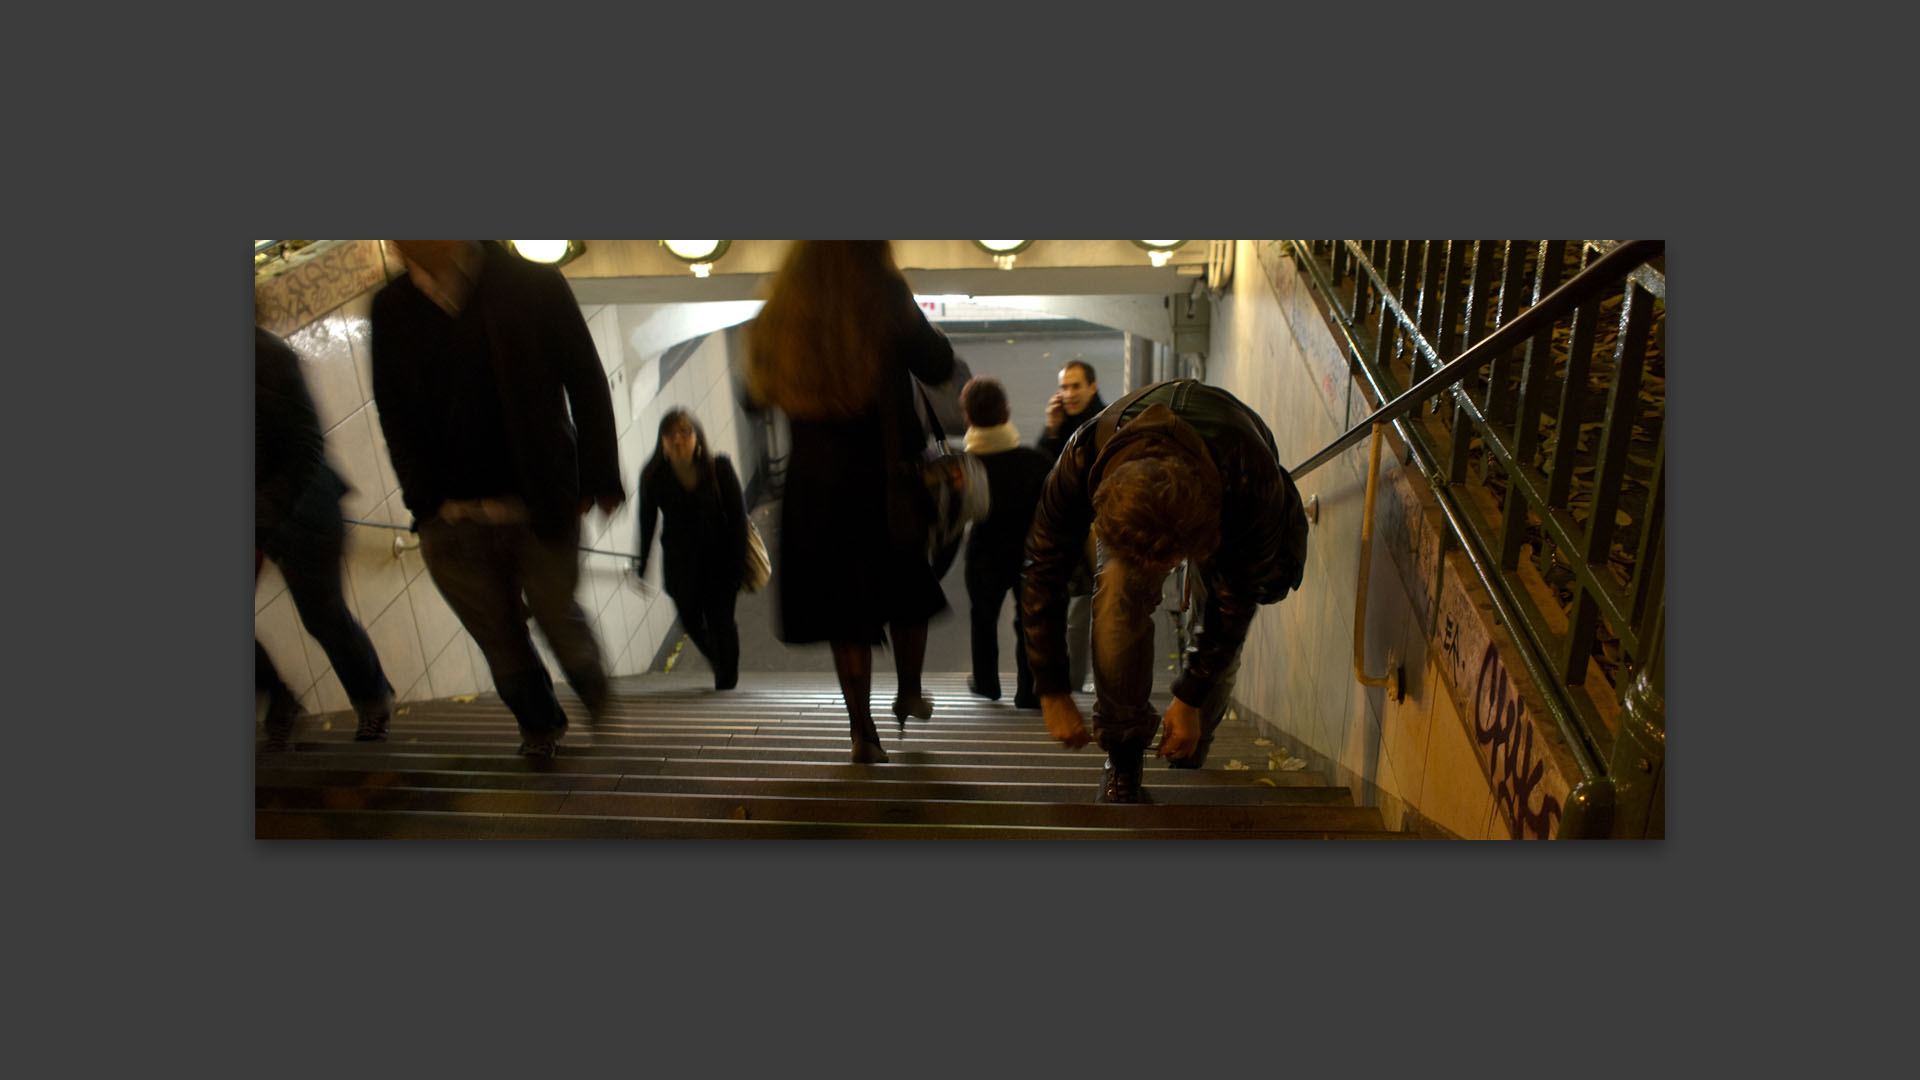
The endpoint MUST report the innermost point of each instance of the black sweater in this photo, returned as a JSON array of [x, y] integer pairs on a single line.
[[551, 416]]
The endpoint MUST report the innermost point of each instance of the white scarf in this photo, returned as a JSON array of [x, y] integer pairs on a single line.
[[992, 440]]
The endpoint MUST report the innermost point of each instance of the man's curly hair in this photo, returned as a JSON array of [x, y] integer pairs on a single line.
[[1156, 507]]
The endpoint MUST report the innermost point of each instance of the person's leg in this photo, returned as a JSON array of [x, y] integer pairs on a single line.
[[282, 706], [1123, 716], [853, 663], [691, 609], [983, 614], [1079, 630], [473, 567], [725, 635], [549, 573], [1215, 706], [308, 555], [909, 652], [1023, 695]]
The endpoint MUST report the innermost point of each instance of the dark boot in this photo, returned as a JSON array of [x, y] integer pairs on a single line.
[[374, 718], [590, 686], [1120, 780], [282, 711]]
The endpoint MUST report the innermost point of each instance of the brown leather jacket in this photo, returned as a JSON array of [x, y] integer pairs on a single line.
[[1263, 532]]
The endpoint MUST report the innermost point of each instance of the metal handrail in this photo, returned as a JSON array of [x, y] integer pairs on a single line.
[[409, 528], [1619, 262], [1587, 283]]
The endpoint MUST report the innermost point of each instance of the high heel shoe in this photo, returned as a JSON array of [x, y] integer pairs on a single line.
[[918, 707]]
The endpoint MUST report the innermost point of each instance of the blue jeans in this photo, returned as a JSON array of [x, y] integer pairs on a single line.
[[484, 570]]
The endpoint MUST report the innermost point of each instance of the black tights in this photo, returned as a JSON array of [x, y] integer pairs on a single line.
[[853, 663]]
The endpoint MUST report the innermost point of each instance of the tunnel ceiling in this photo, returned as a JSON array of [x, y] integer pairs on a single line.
[[642, 272]]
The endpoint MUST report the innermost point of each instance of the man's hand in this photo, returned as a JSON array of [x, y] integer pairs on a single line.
[[1056, 413], [1181, 736], [1064, 723]]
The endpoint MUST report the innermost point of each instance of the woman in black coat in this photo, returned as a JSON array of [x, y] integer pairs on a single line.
[[836, 348], [704, 542], [997, 545]]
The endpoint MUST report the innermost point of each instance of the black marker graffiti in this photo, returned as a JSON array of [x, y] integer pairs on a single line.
[[1450, 646], [1496, 723]]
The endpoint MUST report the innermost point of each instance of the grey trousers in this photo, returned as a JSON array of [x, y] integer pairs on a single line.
[[484, 570], [1079, 625]]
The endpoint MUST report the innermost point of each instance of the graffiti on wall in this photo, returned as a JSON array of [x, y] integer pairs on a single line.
[[1499, 727]]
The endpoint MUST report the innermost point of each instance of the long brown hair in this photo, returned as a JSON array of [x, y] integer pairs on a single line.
[[819, 346]]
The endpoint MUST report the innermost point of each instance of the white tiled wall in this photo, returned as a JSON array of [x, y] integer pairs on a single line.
[[426, 652]]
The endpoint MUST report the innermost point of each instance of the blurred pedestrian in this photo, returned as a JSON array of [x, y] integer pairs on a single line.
[[703, 541], [297, 524], [483, 372], [996, 546], [836, 348]]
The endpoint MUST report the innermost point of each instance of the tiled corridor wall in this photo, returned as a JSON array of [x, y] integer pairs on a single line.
[[422, 645], [1409, 758]]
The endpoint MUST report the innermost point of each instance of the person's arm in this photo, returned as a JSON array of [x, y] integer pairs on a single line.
[[648, 515], [570, 344], [287, 444], [396, 394], [929, 354]]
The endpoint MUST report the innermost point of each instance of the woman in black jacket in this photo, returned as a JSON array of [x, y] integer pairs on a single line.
[[837, 348], [704, 542]]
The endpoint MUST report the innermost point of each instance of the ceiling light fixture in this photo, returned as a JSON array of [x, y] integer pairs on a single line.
[[699, 255], [1003, 251], [550, 252], [1159, 251]]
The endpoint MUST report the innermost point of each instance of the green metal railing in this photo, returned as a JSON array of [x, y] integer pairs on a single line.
[[1526, 380]]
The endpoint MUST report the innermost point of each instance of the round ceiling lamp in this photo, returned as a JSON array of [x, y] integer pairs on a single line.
[[1159, 251], [1003, 251], [553, 252], [700, 255]]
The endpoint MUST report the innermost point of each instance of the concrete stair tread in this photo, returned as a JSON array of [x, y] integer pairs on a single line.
[[1065, 768], [673, 758], [272, 824], [799, 787], [827, 809]]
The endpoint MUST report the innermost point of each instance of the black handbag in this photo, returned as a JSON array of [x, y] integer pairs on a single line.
[[956, 490]]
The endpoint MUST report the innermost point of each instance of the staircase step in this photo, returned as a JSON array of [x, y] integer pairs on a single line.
[[797, 787], [638, 805], [426, 825], [673, 758], [1065, 768]]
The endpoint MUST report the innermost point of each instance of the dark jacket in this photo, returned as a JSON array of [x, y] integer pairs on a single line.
[[1051, 445], [544, 367], [1263, 533], [853, 528], [292, 482], [997, 545], [704, 542]]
